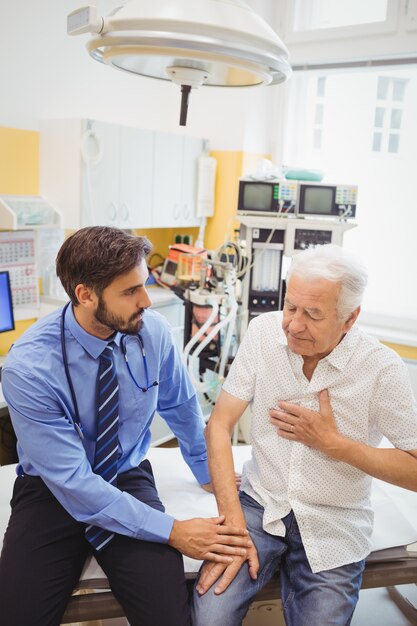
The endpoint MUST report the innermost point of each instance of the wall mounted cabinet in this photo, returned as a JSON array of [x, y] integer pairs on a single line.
[[117, 179], [175, 176], [98, 173]]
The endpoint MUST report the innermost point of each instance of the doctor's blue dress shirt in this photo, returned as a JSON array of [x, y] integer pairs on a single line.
[[37, 393]]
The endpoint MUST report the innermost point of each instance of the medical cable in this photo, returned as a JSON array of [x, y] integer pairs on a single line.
[[215, 309]]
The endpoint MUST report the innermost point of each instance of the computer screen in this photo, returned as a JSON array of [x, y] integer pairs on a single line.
[[257, 196], [317, 200], [6, 303]]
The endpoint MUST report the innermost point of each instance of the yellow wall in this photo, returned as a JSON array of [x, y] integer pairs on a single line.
[[230, 167], [6, 339], [19, 175], [406, 352], [220, 227], [19, 162], [161, 238]]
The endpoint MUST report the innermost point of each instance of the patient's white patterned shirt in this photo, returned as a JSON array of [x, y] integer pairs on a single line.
[[370, 395]]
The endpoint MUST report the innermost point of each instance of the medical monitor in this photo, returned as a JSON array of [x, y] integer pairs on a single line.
[[317, 200], [6, 303], [327, 200], [258, 197]]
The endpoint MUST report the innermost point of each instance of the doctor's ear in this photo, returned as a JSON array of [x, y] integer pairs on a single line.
[[85, 296]]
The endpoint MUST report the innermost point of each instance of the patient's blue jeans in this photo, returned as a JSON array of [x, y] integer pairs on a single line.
[[322, 599]]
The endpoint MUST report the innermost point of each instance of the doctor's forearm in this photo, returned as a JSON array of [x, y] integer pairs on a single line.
[[392, 465]]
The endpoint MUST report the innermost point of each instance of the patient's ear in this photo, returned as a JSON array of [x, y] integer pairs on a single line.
[[352, 319]]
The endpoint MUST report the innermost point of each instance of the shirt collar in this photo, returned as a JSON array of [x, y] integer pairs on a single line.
[[282, 338], [341, 354], [93, 345]]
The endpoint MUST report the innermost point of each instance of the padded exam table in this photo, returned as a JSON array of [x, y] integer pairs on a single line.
[[393, 560]]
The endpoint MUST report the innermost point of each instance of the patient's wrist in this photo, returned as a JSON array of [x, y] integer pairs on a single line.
[[339, 447], [233, 517]]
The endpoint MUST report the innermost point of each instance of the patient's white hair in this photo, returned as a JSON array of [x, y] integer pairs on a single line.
[[331, 262]]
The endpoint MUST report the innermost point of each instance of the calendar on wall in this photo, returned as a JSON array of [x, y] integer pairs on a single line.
[[17, 256]]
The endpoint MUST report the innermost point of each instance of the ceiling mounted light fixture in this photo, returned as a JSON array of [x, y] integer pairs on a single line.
[[221, 43]]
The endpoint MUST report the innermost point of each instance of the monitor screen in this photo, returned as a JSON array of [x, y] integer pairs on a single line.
[[6, 305], [257, 196], [318, 200]]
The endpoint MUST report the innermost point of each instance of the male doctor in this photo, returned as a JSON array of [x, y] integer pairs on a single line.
[[82, 386]]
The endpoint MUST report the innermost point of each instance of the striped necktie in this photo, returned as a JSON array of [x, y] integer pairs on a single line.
[[107, 443]]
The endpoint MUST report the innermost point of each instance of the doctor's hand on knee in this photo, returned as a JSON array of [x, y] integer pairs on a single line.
[[224, 574], [209, 539]]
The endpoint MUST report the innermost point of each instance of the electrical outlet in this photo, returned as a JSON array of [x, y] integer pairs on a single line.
[[181, 238]]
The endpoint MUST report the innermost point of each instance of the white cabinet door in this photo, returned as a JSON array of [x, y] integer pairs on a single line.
[[101, 169], [175, 180], [136, 178], [119, 182], [193, 148], [167, 180]]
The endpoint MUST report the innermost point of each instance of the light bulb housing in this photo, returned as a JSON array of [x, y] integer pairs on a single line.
[[224, 40]]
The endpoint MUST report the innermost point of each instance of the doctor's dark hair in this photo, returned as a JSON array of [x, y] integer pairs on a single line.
[[96, 255]]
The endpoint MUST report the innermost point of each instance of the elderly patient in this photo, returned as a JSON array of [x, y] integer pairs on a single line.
[[322, 394]]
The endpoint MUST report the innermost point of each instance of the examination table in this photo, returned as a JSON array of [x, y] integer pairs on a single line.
[[390, 563]]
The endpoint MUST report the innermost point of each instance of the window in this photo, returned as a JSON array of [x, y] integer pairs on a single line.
[[318, 20], [323, 14], [319, 112], [390, 93], [368, 137]]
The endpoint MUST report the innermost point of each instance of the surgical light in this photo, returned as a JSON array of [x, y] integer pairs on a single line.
[[221, 43]]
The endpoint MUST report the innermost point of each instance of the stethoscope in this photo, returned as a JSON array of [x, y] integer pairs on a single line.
[[76, 420]]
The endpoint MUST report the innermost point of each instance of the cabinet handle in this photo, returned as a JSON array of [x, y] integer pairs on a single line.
[[177, 211], [186, 212], [124, 212], [112, 211]]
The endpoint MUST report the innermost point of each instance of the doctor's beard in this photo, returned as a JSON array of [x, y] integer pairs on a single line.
[[117, 323]]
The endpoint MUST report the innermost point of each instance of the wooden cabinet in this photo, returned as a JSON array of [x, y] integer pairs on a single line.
[[98, 173]]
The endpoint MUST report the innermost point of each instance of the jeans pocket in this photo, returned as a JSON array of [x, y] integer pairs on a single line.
[[247, 500]]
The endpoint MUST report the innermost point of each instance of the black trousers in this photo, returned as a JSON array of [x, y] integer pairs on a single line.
[[45, 549]]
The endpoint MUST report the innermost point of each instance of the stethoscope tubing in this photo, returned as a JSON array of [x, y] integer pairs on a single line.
[[76, 418]]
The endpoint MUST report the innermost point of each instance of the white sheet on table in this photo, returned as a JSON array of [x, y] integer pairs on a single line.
[[395, 508]]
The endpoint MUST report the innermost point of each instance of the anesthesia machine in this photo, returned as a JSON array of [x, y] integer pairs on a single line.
[[225, 289], [278, 218]]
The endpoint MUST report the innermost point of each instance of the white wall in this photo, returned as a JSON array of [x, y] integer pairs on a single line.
[[44, 73]]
